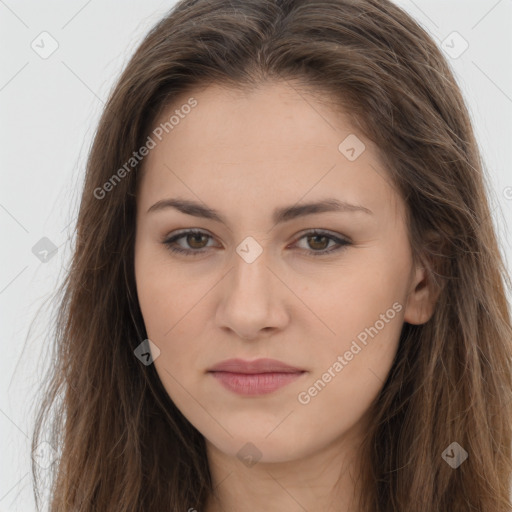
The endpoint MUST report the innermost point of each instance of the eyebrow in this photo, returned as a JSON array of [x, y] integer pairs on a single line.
[[280, 215]]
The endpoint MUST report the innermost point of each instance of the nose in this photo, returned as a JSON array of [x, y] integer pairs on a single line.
[[253, 300]]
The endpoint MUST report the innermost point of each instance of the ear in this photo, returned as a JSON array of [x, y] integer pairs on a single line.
[[421, 298]]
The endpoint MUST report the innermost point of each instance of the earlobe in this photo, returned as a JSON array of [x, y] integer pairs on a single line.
[[422, 297]]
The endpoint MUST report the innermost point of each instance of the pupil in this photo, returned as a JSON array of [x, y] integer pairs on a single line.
[[196, 237], [323, 237]]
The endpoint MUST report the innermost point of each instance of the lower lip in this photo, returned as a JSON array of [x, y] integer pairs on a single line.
[[255, 384]]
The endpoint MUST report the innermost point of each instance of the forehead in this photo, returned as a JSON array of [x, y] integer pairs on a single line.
[[274, 114], [272, 141]]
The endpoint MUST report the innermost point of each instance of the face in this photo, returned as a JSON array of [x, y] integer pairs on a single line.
[[324, 290]]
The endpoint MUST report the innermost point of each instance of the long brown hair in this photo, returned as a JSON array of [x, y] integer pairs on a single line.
[[123, 444]]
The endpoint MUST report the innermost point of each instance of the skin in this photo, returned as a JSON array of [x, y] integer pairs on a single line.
[[244, 154]]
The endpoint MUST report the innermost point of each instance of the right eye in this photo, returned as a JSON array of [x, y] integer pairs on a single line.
[[192, 237]]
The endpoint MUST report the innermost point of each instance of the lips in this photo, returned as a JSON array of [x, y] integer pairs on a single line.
[[257, 377], [253, 367]]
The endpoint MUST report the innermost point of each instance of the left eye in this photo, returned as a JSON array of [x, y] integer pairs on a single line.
[[316, 239]]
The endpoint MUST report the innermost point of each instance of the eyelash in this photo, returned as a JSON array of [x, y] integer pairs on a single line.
[[170, 242]]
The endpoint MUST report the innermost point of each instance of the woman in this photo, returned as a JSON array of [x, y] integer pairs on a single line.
[[286, 291]]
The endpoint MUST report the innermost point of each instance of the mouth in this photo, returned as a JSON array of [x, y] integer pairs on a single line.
[[257, 377]]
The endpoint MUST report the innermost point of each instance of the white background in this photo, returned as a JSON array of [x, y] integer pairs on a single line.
[[49, 109]]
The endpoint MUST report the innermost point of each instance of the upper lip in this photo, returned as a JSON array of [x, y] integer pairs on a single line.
[[256, 366]]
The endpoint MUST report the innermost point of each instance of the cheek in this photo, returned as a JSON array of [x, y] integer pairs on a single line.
[[165, 293], [357, 299], [352, 365], [170, 305], [171, 310], [365, 310], [177, 328]]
